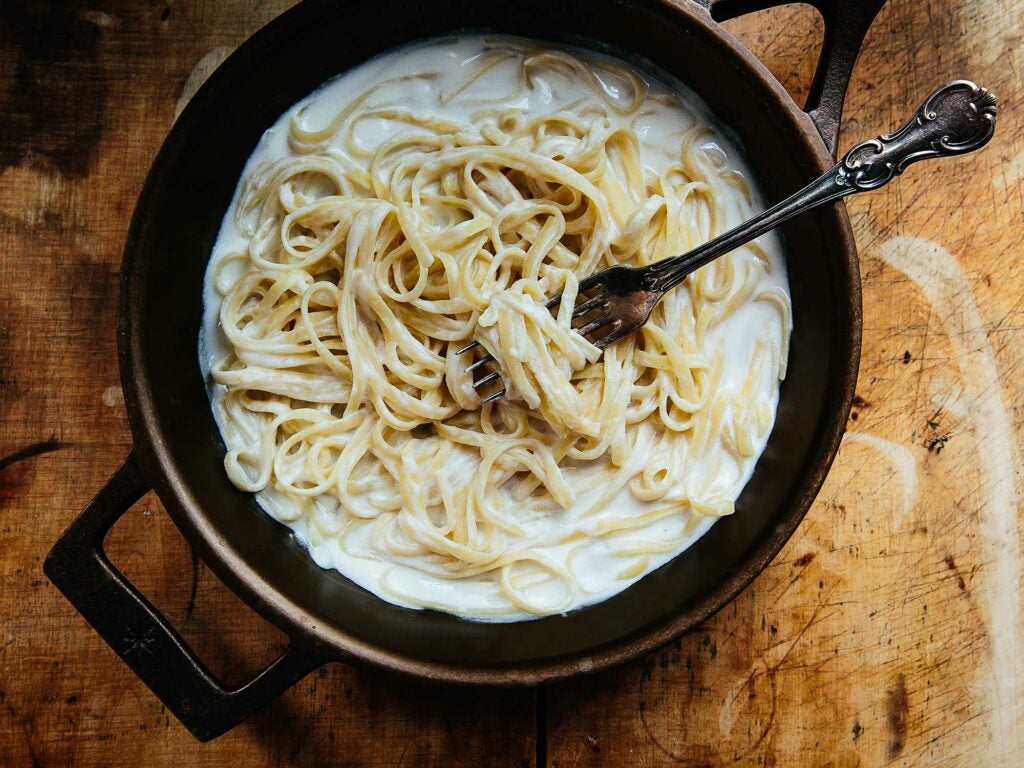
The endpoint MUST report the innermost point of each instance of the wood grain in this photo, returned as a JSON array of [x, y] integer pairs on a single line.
[[887, 632]]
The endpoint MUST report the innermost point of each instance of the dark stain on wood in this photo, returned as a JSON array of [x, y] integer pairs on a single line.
[[951, 564], [907, 358], [858, 402], [55, 107], [897, 706], [36, 449], [804, 560]]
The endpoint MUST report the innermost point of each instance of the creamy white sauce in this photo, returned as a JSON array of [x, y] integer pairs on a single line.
[[660, 129]]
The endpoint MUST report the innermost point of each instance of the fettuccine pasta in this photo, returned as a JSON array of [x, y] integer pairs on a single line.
[[439, 196]]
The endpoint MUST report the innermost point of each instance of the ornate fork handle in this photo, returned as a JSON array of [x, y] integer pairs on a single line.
[[958, 117]]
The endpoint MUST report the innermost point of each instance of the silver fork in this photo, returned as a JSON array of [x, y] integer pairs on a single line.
[[958, 117]]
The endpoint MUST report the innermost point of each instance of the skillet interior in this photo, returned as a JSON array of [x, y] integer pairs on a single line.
[[175, 226]]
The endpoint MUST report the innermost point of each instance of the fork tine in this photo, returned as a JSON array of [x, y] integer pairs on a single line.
[[598, 301], [619, 332], [482, 361], [486, 379], [599, 322], [593, 302], [495, 396]]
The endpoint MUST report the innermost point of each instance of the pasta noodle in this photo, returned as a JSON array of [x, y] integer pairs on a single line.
[[538, 354], [441, 204]]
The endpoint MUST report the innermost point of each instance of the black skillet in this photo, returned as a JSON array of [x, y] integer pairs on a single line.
[[178, 450]]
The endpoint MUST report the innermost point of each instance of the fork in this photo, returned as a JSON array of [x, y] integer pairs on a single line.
[[958, 117]]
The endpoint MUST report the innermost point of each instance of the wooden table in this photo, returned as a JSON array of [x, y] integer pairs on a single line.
[[889, 629]]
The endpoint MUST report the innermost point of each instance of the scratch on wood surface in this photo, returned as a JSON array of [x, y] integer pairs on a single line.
[[768, 667], [900, 458], [942, 280]]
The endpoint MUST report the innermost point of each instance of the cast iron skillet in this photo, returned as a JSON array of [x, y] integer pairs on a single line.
[[178, 450]]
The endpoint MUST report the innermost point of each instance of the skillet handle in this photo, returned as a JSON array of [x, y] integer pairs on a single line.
[[141, 636], [846, 24]]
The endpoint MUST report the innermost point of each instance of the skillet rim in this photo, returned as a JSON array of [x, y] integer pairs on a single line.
[[334, 644]]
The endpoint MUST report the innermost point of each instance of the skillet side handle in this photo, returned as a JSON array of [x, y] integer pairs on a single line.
[[846, 24], [141, 636]]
